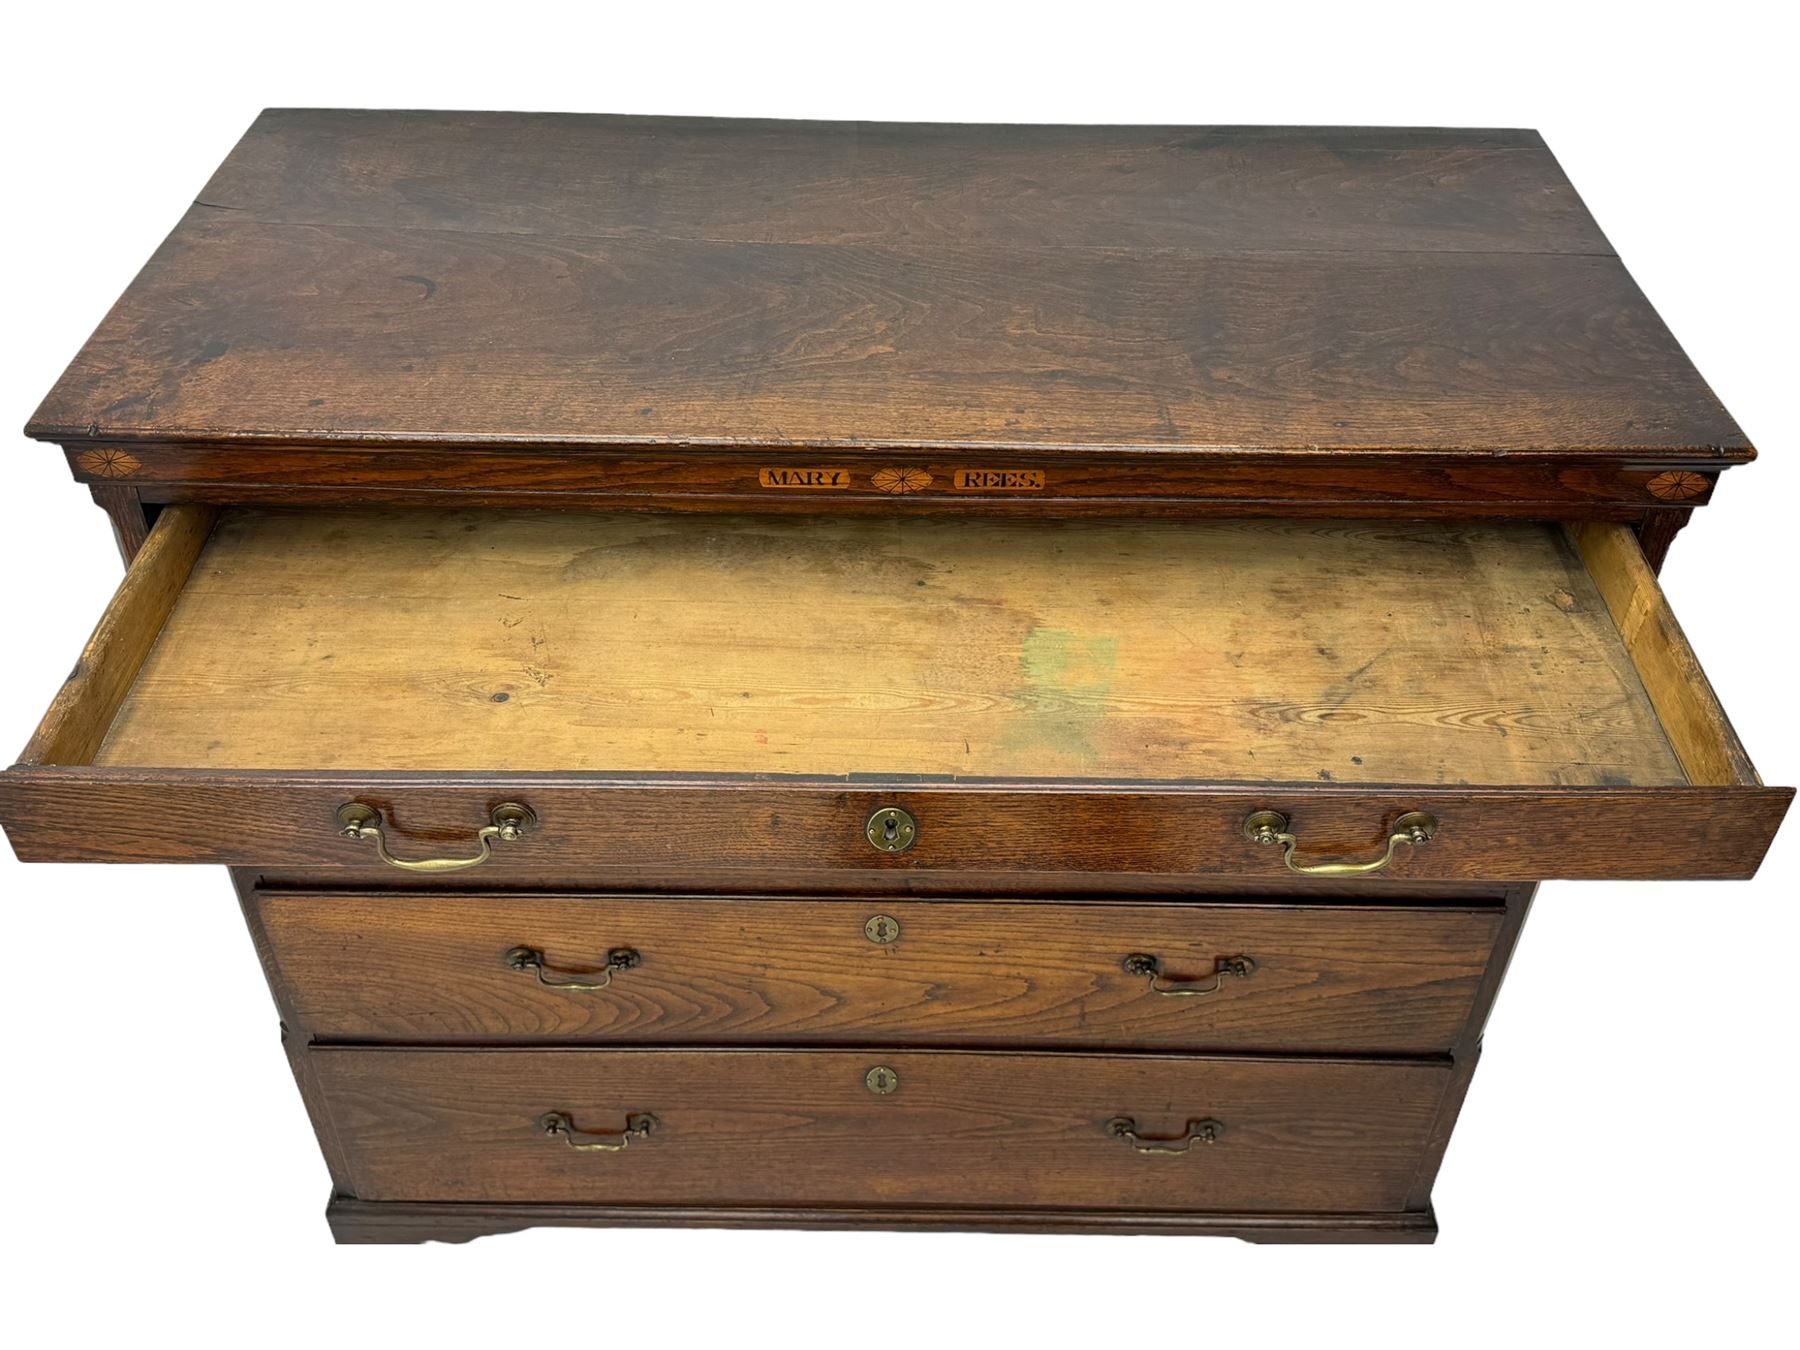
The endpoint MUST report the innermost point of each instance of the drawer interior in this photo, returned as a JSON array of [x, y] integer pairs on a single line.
[[1349, 652]]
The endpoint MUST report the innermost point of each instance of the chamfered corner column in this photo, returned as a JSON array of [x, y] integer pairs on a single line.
[[130, 519]]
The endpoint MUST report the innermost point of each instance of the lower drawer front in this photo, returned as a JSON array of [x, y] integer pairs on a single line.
[[805, 1127], [1340, 978]]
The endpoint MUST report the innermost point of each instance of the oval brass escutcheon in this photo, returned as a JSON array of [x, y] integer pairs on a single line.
[[881, 1080], [891, 830], [882, 929]]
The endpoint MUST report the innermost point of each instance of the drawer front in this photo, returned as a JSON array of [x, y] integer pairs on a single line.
[[804, 1127], [590, 824], [1215, 976]]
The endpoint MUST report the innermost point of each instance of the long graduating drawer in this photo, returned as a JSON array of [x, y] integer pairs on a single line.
[[956, 1128], [694, 692], [1342, 977]]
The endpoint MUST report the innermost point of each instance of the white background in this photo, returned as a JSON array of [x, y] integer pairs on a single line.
[[1624, 1166]]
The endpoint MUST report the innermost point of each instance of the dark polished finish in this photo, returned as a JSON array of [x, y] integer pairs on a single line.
[[756, 1127], [659, 282], [895, 991], [1345, 977], [1159, 484], [1016, 319]]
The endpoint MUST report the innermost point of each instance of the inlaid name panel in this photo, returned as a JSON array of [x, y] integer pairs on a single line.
[[856, 480]]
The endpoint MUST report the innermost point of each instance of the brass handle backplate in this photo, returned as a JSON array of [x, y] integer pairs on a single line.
[[508, 821], [1225, 967], [1413, 829], [1205, 1131], [638, 1125], [530, 958]]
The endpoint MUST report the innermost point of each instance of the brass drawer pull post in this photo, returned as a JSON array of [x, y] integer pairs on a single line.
[[1414, 829], [508, 821], [530, 958], [1205, 1131], [638, 1125], [1235, 967]]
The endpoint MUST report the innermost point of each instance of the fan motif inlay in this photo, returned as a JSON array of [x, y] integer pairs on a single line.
[[1677, 485], [107, 463], [901, 481]]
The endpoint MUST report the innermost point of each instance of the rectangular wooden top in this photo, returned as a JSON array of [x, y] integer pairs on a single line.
[[377, 279]]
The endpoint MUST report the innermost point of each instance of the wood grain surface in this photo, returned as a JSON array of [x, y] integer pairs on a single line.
[[1133, 484], [1691, 716], [766, 833], [805, 182], [370, 311], [1264, 651], [1336, 977], [753, 1126], [522, 280], [80, 715]]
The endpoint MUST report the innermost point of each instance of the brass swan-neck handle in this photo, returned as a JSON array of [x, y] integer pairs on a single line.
[[508, 821], [1414, 829], [558, 1125], [1205, 1131], [532, 959], [1224, 967]]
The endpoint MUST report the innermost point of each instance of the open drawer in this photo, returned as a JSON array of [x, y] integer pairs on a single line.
[[1448, 700]]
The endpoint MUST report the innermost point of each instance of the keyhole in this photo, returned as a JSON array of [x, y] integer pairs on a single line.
[[881, 1080], [891, 830]]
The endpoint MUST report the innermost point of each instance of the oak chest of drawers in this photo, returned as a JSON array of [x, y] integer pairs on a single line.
[[829, 674]]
